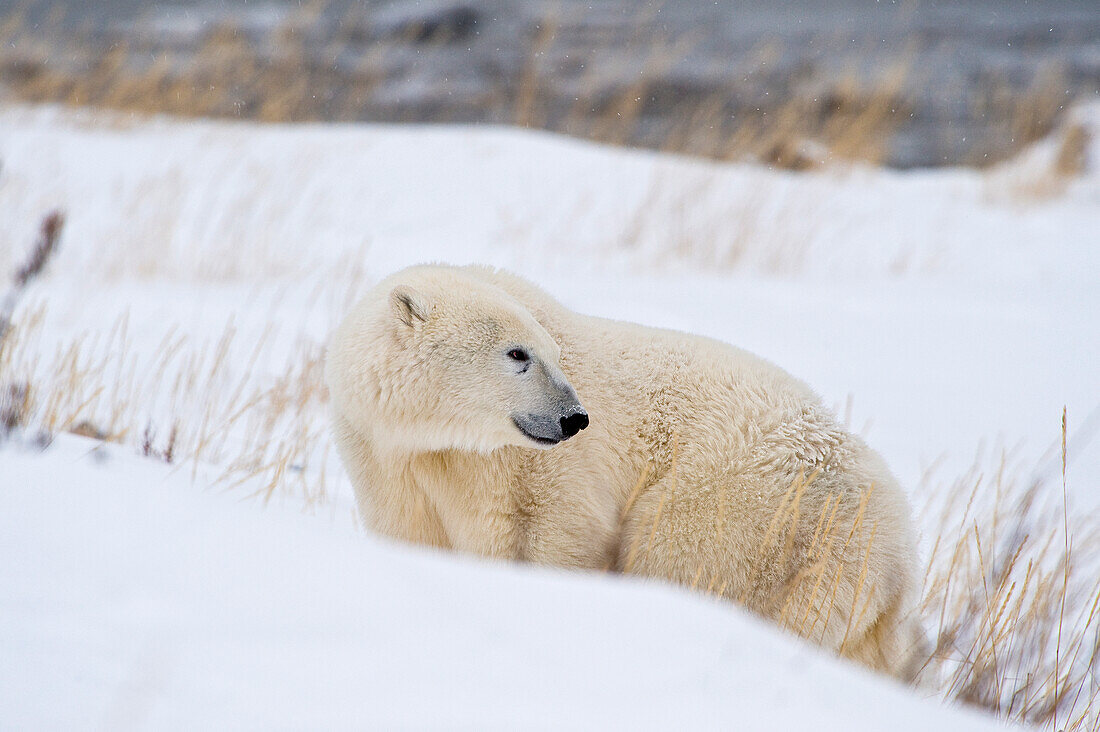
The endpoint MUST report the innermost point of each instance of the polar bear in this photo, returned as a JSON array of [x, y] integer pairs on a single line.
[[474, 412]]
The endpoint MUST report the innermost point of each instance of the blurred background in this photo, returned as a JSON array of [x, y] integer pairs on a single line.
[[906, 83]]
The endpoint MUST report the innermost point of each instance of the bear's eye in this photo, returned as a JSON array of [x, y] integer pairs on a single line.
[[518, 354]]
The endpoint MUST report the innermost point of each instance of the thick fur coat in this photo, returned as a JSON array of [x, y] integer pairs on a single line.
[[702, 464]]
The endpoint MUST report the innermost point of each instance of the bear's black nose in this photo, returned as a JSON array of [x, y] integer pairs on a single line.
[[573, 424]]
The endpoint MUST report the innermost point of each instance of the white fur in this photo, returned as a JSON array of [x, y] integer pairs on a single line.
[[703, 464]]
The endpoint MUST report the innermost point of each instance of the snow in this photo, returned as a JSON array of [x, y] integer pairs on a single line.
[[131, 599], [217, 193], [942, 310]]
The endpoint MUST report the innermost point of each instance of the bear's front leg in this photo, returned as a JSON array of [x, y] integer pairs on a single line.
[[473, 502]]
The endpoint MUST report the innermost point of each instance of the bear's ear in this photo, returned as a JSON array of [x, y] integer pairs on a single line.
[[408, 305]]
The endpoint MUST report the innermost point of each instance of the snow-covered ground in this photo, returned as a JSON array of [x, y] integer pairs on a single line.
[[940, 310], [132, 599]]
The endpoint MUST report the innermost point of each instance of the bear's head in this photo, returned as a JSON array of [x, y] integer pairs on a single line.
[[435, 359]]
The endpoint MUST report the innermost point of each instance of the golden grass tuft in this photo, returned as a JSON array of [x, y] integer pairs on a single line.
[[1046, 171], [206, 404], [1072, 158], [1012, 591]]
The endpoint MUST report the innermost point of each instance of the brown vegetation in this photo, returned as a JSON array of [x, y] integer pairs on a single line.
[[1012, 593], [290, 73]]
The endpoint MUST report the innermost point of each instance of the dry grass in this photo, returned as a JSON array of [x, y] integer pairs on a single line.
[[201, 404], [689, 217], [1072, 158], [307, 68], [213, 403], [1045, 171], [1012, 592]]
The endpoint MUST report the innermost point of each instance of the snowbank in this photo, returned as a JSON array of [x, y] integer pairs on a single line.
[[133, 599]]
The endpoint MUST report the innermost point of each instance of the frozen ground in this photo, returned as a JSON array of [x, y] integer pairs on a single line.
[[940, 310]]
